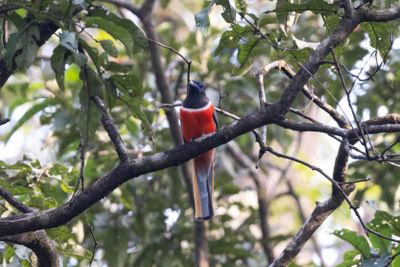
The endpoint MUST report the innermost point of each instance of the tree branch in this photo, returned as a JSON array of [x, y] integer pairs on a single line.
[[112, 130], [50, 218], [283, 66], [38, 241], [348, 8], [40, 244], [344, 29], [373, 15], [14, 202], [125, 171], [318, 216]]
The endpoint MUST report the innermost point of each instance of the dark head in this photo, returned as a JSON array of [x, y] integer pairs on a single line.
[[195, 87], [196, 97]]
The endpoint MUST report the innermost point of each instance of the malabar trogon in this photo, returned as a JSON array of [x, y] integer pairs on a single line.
[[197, 119]]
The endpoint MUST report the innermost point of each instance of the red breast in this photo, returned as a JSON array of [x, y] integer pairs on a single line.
[[197, 121]]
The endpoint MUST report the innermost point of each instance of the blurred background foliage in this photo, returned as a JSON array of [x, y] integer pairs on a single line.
[[100, 49]]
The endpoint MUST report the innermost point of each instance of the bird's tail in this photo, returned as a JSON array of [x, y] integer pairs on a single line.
[[203, 185]]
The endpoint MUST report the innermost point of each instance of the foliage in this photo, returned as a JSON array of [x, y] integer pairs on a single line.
[[148, 220]]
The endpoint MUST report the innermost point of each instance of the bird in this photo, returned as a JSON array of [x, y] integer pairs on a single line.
[[198, 118]]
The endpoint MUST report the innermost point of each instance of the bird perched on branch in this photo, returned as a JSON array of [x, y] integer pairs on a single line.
[[198, 119]]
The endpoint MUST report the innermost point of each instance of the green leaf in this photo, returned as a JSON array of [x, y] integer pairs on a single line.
[[394, 221], [129, 84], [90, 114], [282, 15], [245, 49], [9, 253], [266, 19], [115, 67], [358, 242], [58, 169], [231, 38], [121, 29], [229, 13], [384, 260], [16, 19], [132, 96], [58, 61], [69, 41], [241, 5], [111, 93], [349, 259], [315, 6], [28, 40], [381, 244], [24, 42], [284, 7], [202, 20], [109, 47], [30, 113], [380, 36], [25, 263], [60, 234], [93, 53], [80, 59]]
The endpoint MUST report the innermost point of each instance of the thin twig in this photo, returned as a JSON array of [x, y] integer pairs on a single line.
[[91, 230], [187, 61], [169, 106], [263, 101], [112, 130], [346, 90], [283, 66], [338, 187]]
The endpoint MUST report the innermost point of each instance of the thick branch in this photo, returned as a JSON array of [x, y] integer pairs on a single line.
[[322, 212], [311, 127], [348, 8], [340, 169], [4, 8], [103, 186], [124, 172], [40, 244], [344, 29], [369, 14], [38, 241]]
